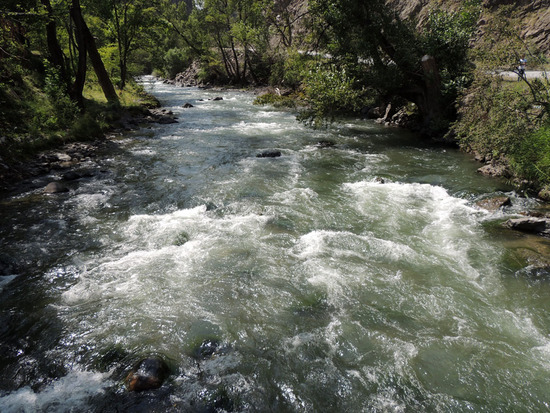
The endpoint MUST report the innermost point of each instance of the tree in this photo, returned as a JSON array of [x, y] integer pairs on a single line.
[[394, 56], [130, 23], [239, 31]]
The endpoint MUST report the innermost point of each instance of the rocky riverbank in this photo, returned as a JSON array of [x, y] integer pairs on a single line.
[[73, 160]]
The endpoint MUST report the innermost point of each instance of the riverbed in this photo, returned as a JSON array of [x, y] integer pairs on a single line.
[[354, 272]]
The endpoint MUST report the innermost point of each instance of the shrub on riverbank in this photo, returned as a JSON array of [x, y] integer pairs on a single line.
[[505, 123]]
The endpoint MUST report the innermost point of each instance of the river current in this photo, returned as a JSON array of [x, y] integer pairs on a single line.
[[359, 277]]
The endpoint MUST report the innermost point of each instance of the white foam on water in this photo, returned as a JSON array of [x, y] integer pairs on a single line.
[[144, 152], [425, 217], [347, 244], [136, 291], [296, 196], [67, 394]]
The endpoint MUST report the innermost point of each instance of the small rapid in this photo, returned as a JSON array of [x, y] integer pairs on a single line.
[[356, 277]]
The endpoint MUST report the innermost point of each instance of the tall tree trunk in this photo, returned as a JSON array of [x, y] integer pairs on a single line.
[[99, 69], [80, 75], [432, 96], [54, 49]]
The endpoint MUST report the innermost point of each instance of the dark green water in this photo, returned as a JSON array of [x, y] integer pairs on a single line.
[[326, 287]]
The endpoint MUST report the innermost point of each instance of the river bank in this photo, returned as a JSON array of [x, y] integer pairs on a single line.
[[64, 161]]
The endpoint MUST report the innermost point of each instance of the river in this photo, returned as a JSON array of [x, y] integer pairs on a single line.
[[356, 277]]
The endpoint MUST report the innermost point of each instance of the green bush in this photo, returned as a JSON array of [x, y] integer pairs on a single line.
[[64, 110], [532, 157], [290, 71], [494, 117], [330, 91], [86, 128], [175, 61], [276, 100]]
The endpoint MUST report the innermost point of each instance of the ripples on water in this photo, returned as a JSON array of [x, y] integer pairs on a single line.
[[329, 288]]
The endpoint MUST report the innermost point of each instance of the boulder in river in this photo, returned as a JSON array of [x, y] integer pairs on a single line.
[[218, 98], [147, 374], [325, 144], [55, 188], [530, 224], [493, 170], [71, 176], [187, 105], [206, 349], [270, 153], [494, 203]]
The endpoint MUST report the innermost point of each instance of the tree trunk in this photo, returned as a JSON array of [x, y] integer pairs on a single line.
[[432, 96], [80, 75], [90, 46], [100, 71], [54, 49]]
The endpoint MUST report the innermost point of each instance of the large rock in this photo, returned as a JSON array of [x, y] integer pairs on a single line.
[[162, 116], [530, 224], [494, 203], [147, 374], [493, 170], [544, 193], [270, 153], [55, 188]]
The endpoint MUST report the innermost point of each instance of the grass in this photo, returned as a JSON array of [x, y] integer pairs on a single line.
[[31, 120]]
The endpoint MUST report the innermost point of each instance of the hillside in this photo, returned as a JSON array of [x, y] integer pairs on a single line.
[[533, 16]]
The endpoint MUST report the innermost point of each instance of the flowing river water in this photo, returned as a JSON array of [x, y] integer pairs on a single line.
[[357, 277]]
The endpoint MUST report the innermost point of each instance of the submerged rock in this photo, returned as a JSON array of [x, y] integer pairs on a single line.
[[206, 349], [148, 374], [71, 176], [530, 224], [325, 144], [270, 153], [55, 188]]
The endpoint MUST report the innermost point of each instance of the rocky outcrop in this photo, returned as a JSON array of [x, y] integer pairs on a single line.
[[493, 170], [162, 116], [494, 203], [189, 77], [530, 224]]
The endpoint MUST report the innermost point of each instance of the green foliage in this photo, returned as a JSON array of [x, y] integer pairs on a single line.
[[176, 60], [64, 109], [494, 118], [291, 70], [383, 53], [86, 128], [531, 159], [276, 100], [332, 90]]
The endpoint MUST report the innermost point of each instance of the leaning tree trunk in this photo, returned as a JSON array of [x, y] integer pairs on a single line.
[[99, 69]]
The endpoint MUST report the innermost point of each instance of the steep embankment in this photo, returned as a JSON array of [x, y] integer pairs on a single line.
[[533, 15]]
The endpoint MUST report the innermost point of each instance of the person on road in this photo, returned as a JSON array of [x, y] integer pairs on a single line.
[[521, 68]]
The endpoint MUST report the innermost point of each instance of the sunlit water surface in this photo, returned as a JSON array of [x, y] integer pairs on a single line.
[[358, 277]]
